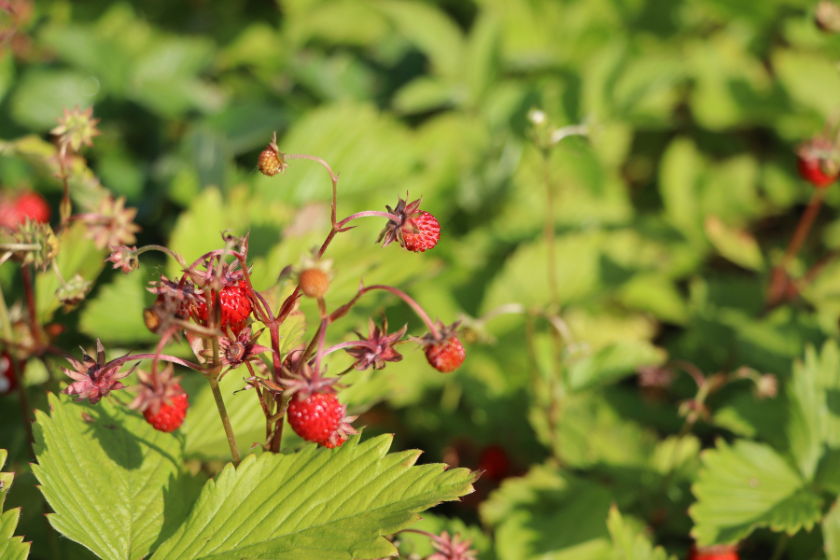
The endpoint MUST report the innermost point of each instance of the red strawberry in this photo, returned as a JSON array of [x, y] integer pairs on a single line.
[[494, 462], [316, 417], [168, 417], [236, 306], [421, 233], [15, 209], [447, 355], [8, 380], [817, 160], [412, 228], [812, 171], [719, 552]]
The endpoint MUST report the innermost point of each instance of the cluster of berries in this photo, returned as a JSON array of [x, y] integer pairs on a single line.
[[16, 207]]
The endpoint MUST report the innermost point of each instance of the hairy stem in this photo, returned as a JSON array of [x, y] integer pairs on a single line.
[[220, 404]]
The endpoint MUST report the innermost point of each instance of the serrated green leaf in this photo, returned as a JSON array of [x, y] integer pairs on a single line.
[[313, 504], [116, 314], [611, 363], [116, 484], [11, 547], [735, 245], [831, 533], [630, 544], [815, 406], [549, 515], [77, 255], [745, 486]]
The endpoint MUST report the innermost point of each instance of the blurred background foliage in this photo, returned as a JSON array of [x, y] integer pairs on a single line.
[[668, 217]]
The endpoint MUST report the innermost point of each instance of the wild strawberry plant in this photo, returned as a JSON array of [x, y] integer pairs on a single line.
[[110, 461]]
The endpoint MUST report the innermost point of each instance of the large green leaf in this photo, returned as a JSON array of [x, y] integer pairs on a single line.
[[116, 314], [77, 255], [314, 504], [815, 406], [612, 363], [549, 515], [11, 547], [745, 486], [631, 544], [117, 486], [831, 533]]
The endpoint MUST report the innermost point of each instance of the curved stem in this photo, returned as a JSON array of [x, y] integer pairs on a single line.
[[350, 344], [20, 246], [367, 214], [803, 227], [178, 258], [164, 357], [411, 303]]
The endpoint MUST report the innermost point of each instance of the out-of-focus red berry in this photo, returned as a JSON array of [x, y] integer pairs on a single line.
[[494, 462], [718, 552], [14, 209]]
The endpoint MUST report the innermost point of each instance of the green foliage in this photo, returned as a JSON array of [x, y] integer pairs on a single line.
[[748, 485], [11, 547], [117, 486], [314, 503], [668, 217]]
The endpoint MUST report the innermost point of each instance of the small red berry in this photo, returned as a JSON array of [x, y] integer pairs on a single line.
[[14, 210], [236, 306], [333, 444], [494, 462], [8, 379], [447, 355], [812, 171], [316, 417], [169, 417], [421, 233], [719, 552]]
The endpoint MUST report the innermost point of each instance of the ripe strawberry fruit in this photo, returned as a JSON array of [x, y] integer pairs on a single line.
[[316, 416], [447, 355], [412, 228], [720, 552], [236, 306], [15, 209], [494, 462], [811, 170], [169, 417], [8, 380], [817, 162], [421, 233]]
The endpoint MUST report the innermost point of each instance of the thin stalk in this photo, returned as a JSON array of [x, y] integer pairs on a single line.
[[367, 214], [411, 303], [350, 344], [220, 404], [8, 335], [548, 232], [20, 246], [803, 227], [26, 274]]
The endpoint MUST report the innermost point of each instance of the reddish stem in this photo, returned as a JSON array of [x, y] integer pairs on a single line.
[[367, 214], [803, 227], [350, 344], [411, 303]]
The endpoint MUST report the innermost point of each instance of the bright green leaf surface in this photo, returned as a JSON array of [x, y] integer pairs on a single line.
[[117, 312], [549, 515], [630, 544], [117, 485], [748, 485], [314, 504], [831, 533], [11, 547], [612, 363]]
